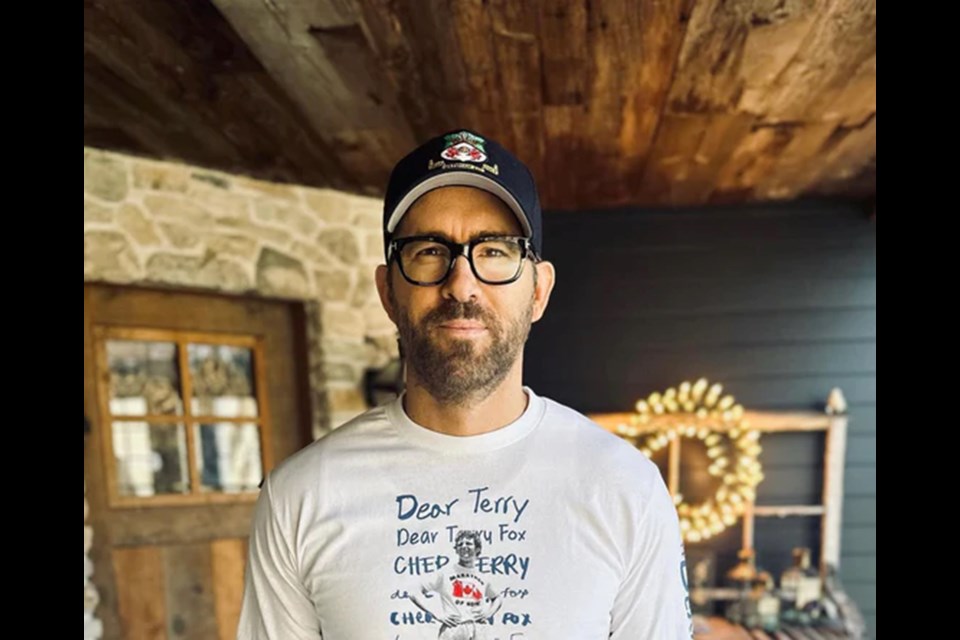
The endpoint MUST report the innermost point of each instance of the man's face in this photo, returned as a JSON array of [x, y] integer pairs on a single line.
[[467, 550], [462, 337]]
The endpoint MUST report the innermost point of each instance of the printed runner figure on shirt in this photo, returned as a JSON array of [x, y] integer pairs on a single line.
[[466, 598]]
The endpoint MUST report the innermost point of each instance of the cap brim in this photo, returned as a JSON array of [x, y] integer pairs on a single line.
[[464, 179]]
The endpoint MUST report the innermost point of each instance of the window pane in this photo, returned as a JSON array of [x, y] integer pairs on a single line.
[[151, 459], [222, 378], [144, 378], [229, 457]]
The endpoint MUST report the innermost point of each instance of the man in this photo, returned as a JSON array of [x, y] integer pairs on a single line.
[[578, 530], [463, 599]]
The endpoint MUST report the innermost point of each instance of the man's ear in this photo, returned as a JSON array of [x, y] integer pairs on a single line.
[[546, 278], [381, 276]]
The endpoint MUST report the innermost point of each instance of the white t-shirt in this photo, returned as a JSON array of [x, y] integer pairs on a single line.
[[461, 590], [577, 532]]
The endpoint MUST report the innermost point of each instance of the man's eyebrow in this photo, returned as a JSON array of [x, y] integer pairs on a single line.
[[474, 236]]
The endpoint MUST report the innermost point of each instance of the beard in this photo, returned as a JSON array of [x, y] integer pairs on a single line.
[[455, 371]]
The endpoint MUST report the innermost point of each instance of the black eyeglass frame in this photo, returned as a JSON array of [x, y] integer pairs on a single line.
[[458, 249]]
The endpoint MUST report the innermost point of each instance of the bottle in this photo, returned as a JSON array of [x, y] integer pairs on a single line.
[[809, 588], [800, 588]]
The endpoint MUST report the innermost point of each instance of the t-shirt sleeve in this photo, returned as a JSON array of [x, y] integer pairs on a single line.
[[432, 583], [276, 606], [653, 598]]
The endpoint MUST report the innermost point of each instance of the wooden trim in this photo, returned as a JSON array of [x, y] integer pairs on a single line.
[[228, 562], [141, 597], [764, 421], [181, 339], [185, 500], [263, 404], [95, 476], [186, 386], [177, 419], [748, 526], [106, 424], [172, 335], [673, 467], [831, 510], [835, 459], [771, 511]]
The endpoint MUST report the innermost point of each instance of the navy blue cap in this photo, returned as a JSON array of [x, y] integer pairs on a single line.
[[464, 158]]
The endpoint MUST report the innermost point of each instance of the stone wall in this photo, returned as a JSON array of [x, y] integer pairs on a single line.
[[164, 224]]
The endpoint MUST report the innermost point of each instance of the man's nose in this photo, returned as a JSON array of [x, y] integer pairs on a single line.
[[461, 284]]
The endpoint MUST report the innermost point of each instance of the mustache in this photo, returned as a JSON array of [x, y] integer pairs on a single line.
[[451, 309]]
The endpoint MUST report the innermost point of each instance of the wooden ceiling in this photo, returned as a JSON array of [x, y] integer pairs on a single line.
[[610, 102]]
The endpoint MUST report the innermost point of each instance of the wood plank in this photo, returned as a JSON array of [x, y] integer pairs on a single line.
[[168, 419], [631, 49], [381, 125], [862, 450], [147, 61], [713, 331], [707, 77], [848, 151], [278, 122], [752, 161], [470, 42], [141, 594], [861, 481], [863, 417], [565, 69], [166, 501], [422, 37], [840, 41], [791, 485], [161, 335], [833, 492], [804, 225], [860, 510], [516, 45], [326, 14], [229, 560], [761, 421], [774, 38], [864, 594], [280, 40], [190, 592], [720, 629], [689, 153], [856, 100], [563, 49], [793, 449], [661, 30], [858, 568], [859, 540], [613, 60], [95, 481], [108, 101], [563, 142], [760, 360], [797, 163], [187, 59], [677, 297], [192, 524], [294, 52], [624, 383], [782, 512], [403, 55]]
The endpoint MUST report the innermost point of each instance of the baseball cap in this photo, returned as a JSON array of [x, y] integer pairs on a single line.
[[464, 158]]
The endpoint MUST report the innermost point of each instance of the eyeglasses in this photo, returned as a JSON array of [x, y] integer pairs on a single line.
[[429, 260]]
